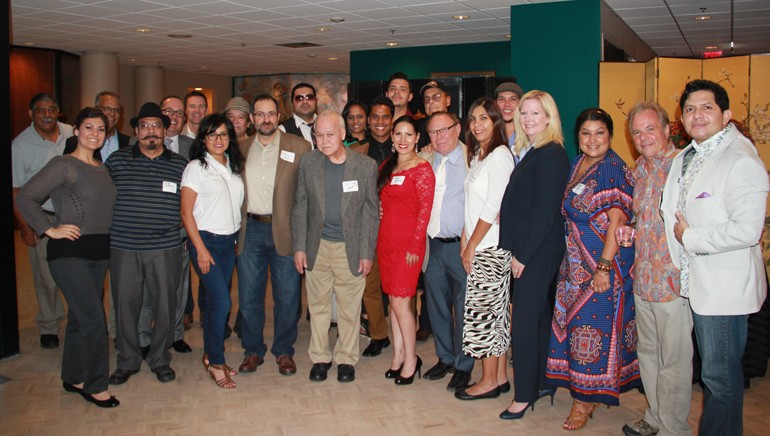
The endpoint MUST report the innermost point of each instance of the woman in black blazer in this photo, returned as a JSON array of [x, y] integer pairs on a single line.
[[532, 228]]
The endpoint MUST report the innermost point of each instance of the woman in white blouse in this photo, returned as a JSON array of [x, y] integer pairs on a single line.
[[487, 320], [212, 194]]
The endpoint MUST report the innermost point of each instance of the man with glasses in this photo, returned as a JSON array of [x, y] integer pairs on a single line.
[[270, 181], [173, 107], [445, 277], [30, 151], [109, 103], [303, 102], [145, 247]]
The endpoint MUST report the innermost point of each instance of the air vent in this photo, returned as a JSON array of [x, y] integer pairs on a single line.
[[302, 44]]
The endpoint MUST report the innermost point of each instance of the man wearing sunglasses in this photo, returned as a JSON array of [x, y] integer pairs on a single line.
[[303, 103]]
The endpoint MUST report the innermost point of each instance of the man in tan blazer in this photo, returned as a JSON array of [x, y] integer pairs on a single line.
[[270, 179]]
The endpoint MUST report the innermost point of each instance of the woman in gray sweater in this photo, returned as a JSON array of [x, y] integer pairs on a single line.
[[83, 196]]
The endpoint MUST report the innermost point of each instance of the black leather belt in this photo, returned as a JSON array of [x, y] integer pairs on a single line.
[[447, 240], [261, 218]]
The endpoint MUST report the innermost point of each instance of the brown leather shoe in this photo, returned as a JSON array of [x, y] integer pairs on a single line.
[[286, 365], [250, 363]]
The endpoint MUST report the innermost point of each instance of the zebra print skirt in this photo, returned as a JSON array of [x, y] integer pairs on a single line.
[[487, 318]]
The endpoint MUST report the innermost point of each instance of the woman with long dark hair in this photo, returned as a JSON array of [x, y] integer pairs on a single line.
[[406, 184], [355, 115], [212, 195], [487, 320], [83, 196]]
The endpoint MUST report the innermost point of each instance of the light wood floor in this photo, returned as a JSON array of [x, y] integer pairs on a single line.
[[265, 402]]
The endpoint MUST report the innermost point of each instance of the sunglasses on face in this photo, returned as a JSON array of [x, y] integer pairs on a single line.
[[300, 97]]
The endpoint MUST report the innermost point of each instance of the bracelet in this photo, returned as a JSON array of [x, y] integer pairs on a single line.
[[603, 267], [604, 261], [601, 273]]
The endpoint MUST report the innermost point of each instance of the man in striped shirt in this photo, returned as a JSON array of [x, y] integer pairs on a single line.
[[146, 250]]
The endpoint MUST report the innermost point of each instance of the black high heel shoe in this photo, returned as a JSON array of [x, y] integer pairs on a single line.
[[393, 373], [506, 414], [550, 392], [408, 380]]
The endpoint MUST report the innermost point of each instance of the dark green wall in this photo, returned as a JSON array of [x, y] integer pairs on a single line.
[[420, 62], [556, 47]]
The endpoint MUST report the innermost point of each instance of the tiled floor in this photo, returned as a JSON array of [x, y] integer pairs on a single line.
[[265, 402]]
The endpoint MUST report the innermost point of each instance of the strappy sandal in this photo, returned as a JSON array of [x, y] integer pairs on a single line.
[[225, 382], [578, 416], [205, 361]]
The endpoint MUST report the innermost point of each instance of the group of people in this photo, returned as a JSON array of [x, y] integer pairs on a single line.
[[516, 244]]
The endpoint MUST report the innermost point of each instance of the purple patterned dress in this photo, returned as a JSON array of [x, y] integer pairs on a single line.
[[592, 350]]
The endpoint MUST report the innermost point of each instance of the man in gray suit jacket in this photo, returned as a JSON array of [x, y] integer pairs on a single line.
[[334, 224]]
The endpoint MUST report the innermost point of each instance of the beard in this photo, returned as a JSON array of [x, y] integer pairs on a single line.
[[267, 129]]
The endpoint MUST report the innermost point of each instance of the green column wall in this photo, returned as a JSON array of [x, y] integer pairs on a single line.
[[556, 47], [421, 62]]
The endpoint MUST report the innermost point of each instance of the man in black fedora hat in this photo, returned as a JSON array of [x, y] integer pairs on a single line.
[[145, 246]]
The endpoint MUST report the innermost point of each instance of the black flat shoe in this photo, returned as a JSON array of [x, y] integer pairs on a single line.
[[181, 346], [408, 380], [110, 402], [69, 387], [545, 393], [465, 396], [505, 387], [506, 414], [393, 373]]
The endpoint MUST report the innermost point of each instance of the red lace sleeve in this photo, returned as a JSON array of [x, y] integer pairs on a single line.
[[425, 184]]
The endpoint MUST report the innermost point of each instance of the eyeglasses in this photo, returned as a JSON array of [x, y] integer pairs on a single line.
[[271, 114], [172, 113], [299, 97], [109, 110], [154, 125], [441, 131], [214, 136], [435, 97]]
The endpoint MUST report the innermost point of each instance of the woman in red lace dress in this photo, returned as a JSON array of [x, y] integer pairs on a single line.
[[406, 184]]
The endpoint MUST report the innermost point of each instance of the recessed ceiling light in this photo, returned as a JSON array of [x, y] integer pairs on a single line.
[[337, 19], [198, 89], [391, 44], [332, 58], [508, 36], [28, 44], [711, 47], [321, 29], [179, 35], [132, 59], [460, 17], [204, 68], [702, 17], [143, 30]]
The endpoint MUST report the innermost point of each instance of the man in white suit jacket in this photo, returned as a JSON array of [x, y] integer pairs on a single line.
[[714, 209]]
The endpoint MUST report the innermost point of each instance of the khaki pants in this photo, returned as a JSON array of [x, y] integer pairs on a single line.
[[375, 310], [332, 273]]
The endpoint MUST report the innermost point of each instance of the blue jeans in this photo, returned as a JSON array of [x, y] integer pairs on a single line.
[[257, 254], [217, 282], [721, 341], [445, 282]]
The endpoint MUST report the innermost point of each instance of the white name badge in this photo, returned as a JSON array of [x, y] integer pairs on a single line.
[[350, 186], [288, 156], [397, 180], [579, 188], [169, 187]]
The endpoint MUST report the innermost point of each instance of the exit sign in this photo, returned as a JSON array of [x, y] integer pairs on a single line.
[[712, 54]]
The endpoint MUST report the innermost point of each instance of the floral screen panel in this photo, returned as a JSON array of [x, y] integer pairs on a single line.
[[759, 124], [621, 86]]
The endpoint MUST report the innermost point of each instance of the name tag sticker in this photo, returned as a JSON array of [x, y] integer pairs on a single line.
[[397, 180], [169, 187], [288, 156], [578, 189], [350, 186]]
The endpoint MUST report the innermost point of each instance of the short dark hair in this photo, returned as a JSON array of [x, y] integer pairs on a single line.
[[399, 75], [593, 114], [41, 96], [302, 85], [381, 100], [102, 94], [720, 95], [196, 94], [263, 97], [210, 124], [89, 112]]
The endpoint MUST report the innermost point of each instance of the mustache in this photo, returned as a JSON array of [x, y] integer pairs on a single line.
[[151, 137]]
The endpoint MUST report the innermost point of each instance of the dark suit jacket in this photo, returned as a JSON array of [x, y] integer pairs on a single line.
[[530, 214], [360, 208], [292, 147], [72, 144], [185, 144]]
